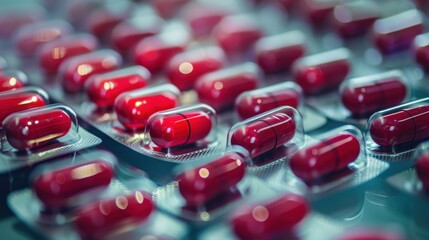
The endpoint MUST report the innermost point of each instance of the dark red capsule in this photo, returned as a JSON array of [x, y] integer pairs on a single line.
[[185, 68], [32, 36], [396, 33], [12, 79], [317, 12], [265, 134], [52, 54], [56, 189], [101, 22], [270, 219], [99, 219], [355, 18], [76, 70], [422, 169], [371, 234], [322, 72], [102, 89], [78, 10], [326, 157], [421, 50], [363, 98], [168, 8], [404, 126], [36, 128], [180, 129], [14, 18], [204, 183], [202, 18], [133, 109], [219, 89]]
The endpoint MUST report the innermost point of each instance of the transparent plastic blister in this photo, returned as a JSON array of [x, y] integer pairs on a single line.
[[393, 134], [11, 79], [330, 162]]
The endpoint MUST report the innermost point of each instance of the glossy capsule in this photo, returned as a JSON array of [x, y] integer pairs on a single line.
[[317, 12], [185, 68], [101, 22], [52, 54], [102, 89], [14, 18], [37, 128], [31, 36], [421, 50], [16, 101], [12, 79], [99, 219], [133, 109], [355, 18], [396, 33], [422, 169], [202, 18], [76, 70], [328, 156], [265, 134], [406, 126], [322, 72], [168, 8], [365, 95], [278, 53], [220, 88], [270, 219], [55, 189], [237, 34], [252, 103], [180, 129], [204, 183]]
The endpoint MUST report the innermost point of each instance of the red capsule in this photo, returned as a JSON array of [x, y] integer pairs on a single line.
[[76, 70], [202, 18], [52, 54], [155, 52], [185, 68], [12, 102], [397, 32], [326, 157], [78, 10], [421, 50], [102, 89], [252, 103], [270, 219], [168, 8], [322, 72], [180, 129], [237, 34], [99, 219], [405, 126], [364, 98], [31, 36], [204, 183], [134, 109], [56, 189], [318, 11], [15, 18], [371, 234], [355, 18], [128, 33], [219, 89], [278, 53], [36, 128], [265, 134], [12, 79], [422, 169], [101, 22]]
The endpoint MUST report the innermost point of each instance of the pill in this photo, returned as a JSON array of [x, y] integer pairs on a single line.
[[421, 50], [422, 169], [265, 134], [220, 88], [270, 219], [185, 68], [202, 18], [365, 95], [76, 70], [180, 129], [205, 182], [322, 72], [277, 53], [406, 126], [12, 18], [102, 89], [78, 10], [56, 189], [237, 34], [168, 8], [252, 103], [133, 109], [155, 52], [317, 12], [52, 54], [30, 37], [16, 101], [12, 79], [355, 18], [102, 21], [37, 128], [328, 156], [99, 219], [396, 33]]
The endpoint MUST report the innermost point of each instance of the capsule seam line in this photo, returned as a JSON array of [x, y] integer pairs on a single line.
[[275, 133], [414, 125], [189, 127]]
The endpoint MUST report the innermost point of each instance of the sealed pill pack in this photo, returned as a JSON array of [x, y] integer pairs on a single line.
[[198, 119]]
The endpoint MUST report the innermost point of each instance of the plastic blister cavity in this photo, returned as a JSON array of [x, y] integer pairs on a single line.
[[11, 79]]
